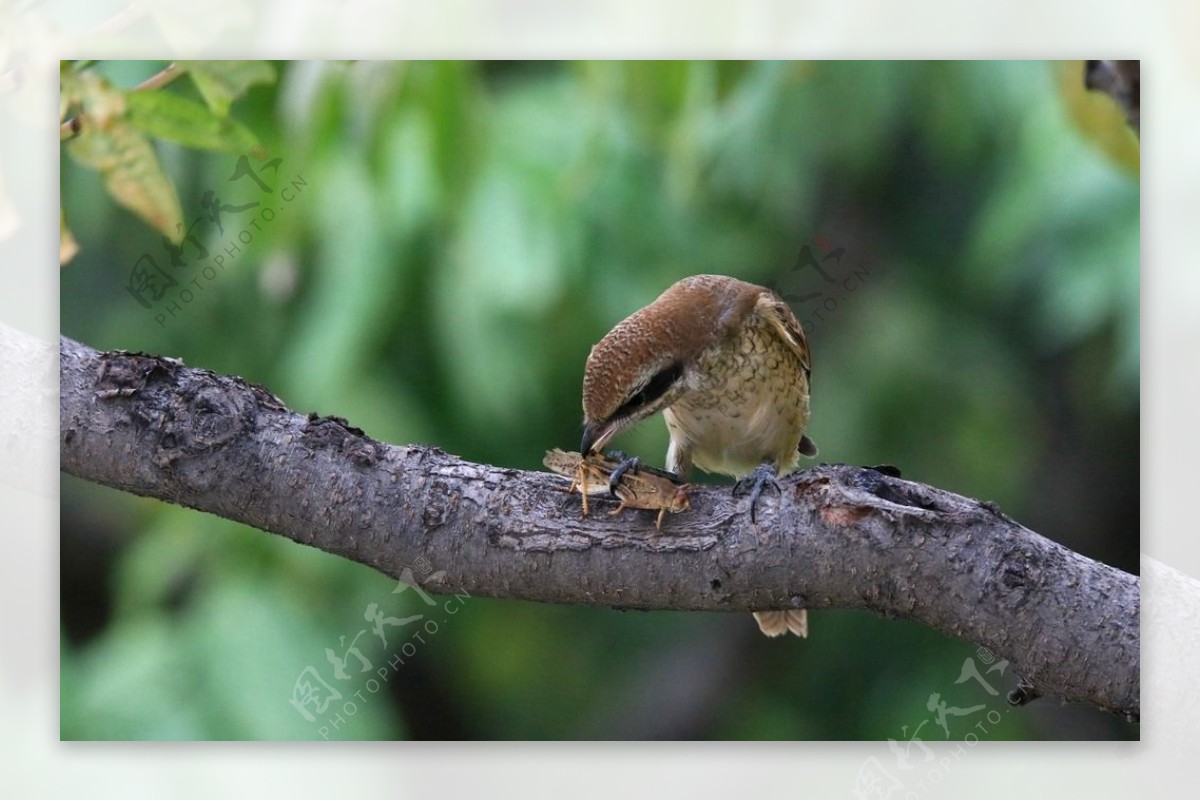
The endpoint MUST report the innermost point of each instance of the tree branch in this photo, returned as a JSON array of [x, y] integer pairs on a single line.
[[837, 536]]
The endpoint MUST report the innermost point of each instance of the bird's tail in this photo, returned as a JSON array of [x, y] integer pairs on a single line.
[[782, 621]]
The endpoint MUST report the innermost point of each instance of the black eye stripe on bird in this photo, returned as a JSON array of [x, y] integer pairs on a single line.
[[734, 389], [652, 390]]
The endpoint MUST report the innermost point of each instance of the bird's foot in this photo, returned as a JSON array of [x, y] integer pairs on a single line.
[[763, 476], [626, 464]]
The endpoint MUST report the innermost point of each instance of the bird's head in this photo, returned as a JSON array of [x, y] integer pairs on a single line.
[[642, 366], [624, 384]]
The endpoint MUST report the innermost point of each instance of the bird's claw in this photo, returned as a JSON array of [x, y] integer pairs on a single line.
[[764, 476], [627, 464]]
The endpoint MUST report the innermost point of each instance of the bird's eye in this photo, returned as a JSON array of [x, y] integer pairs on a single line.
[[653, 389]]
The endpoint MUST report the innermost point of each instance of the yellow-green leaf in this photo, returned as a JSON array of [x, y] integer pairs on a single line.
[[1098, 118], [167, 116], [222, 82], [124, 158]]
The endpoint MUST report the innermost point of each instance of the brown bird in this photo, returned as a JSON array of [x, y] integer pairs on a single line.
[[727, 364]]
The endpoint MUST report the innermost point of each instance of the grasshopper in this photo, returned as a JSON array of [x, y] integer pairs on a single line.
[[646, 488]]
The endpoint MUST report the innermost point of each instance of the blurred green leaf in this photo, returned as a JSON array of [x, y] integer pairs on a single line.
[[222, 82], [134, 685], [167, 116], [158, 563], [411, 182], [342, 316]]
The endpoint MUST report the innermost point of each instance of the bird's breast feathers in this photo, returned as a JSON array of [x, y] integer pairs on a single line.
[[745, 405]]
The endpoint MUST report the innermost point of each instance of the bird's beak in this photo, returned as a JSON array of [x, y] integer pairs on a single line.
[[595, 436]]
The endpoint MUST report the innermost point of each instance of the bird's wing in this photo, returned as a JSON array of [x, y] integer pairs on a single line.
[[784, 323], [772, 308]]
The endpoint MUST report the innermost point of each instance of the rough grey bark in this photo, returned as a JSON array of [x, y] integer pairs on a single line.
[[837, 536]]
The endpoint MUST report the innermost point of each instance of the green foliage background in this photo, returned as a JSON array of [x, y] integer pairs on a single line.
[[462, 233]]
